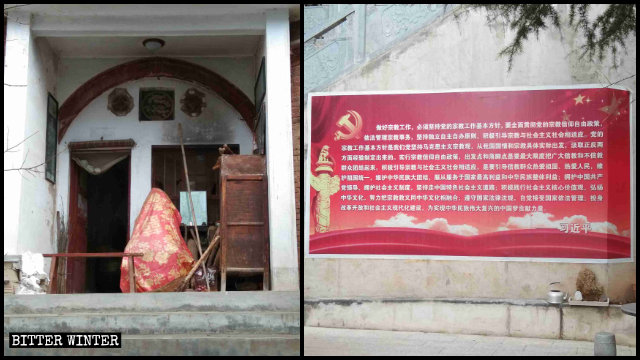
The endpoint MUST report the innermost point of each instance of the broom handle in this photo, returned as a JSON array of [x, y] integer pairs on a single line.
[[200, 261], [193, 213]]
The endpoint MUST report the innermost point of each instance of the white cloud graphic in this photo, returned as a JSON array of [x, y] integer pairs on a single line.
[[437, 224], [537, 220]]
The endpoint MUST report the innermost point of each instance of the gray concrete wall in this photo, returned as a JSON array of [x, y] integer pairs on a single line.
[[448, 55], [341, 37], [496, 317], [384, 278]]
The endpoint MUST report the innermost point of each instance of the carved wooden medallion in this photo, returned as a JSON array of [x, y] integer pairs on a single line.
[[120, 102], [193, 102], [156, 104]]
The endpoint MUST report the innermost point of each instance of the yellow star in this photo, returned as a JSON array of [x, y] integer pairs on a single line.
[[578, 99], [588, 100], [565, 117], [611, 108]]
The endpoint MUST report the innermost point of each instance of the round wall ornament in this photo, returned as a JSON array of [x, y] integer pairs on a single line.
[[193, 102], [120, 103]]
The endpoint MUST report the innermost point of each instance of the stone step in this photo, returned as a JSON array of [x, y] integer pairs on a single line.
[[216, 323], [183, 344], [257, 322], [153, 302], [263, 313]]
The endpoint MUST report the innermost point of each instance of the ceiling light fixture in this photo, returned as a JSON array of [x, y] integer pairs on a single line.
[[153, 44]]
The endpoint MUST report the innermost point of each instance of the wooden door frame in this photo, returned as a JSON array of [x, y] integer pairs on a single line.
[[92, 146], [74, 264]]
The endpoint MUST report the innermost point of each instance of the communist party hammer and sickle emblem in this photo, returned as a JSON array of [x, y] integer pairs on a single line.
[[353, 130]]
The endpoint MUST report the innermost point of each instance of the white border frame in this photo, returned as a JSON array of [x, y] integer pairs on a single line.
[[307, 147]]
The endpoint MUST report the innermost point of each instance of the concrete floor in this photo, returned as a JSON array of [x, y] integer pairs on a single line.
[[169, 324], [330, 341]]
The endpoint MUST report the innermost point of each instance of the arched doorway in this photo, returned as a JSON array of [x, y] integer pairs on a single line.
[[154, 67], [81, 106]]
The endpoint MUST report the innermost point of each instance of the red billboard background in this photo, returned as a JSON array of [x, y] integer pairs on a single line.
[[525, 173]]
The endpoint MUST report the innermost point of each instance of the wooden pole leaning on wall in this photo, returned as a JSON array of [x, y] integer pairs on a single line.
[[200, 261], [193, 213]]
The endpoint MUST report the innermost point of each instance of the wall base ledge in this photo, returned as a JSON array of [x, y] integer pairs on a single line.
[[533, 318]]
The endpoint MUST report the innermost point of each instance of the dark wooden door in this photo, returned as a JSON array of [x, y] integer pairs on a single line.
[[78, 211]]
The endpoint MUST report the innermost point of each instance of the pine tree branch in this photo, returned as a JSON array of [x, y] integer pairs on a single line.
[[606, 35]]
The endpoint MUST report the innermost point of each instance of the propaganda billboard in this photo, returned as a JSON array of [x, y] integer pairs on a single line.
[[507, 173]]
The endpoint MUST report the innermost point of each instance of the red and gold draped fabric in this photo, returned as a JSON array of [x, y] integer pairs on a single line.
[[157, 235]]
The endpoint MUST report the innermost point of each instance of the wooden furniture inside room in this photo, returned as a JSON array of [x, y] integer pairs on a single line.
[[168, 174], [244, 217]]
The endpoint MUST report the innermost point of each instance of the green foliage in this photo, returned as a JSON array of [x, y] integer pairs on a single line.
[[606, 34], [608, 31]]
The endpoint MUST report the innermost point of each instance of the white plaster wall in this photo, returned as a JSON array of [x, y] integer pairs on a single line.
[[279, 150], [37, 202], [449, 55], [29, 198], [219, 123], [16, 63]]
